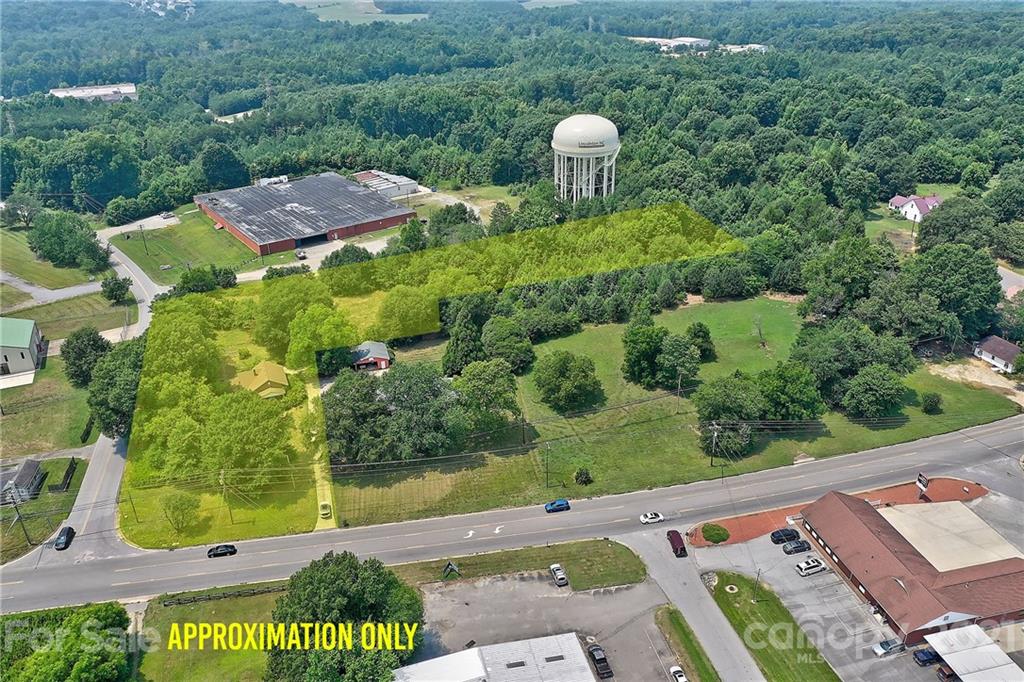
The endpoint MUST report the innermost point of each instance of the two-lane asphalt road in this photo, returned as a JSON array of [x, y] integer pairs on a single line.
[[98, 568]]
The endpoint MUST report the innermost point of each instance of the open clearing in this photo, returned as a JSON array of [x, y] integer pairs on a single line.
[[48, 414], [42, 515], [589, 563], [11, 296], [639, 438], [17, 259], [353, 11], [193, 242], [58, 319]]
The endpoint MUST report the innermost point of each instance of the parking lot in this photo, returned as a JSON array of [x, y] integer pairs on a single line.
[[513, 607], [833, 616]]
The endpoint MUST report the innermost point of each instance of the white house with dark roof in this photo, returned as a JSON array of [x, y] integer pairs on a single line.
[[914, 207], [21, 345], [20, 482], [998, 352]]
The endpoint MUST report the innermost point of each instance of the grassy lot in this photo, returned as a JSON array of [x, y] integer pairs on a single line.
[[799, 660], [10, 296], [684, 643], [58, 319], [589, 563], [881, 222], [353, 11], [486, 196], [48, 414], [194, 241], [17, 259], [43, 514], [632, 445]]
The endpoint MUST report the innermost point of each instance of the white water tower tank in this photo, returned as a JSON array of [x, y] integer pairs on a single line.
[[585, 147]]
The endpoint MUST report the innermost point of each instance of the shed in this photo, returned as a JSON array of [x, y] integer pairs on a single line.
[[20, 483], [998, 352], [371, 355]]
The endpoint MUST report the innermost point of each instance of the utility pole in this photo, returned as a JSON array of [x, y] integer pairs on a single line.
[[21, 521], [224, 494], [144, 244], [714, 441], [132, 503], [547, 452], [679, 388], [757, 583]]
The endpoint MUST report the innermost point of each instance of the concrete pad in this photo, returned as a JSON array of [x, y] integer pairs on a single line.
[[949, 535], [19, 379]]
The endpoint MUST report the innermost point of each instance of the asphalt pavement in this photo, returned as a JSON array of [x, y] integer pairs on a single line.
[[99, 567]]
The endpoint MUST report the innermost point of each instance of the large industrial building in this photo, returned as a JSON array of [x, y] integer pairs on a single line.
[[284, 215], [116, 92], [925, 567], [586, 147], [388, 184]]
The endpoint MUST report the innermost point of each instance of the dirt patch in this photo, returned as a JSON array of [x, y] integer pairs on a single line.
[[750, 526], [788, 298], [978, 374]]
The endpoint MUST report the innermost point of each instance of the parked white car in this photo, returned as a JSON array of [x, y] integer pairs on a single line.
[[558, 575], [676, 674], [651, 517], [811, 566]]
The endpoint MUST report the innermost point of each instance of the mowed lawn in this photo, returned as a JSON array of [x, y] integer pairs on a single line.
[[786, 654], [637, 439], [43, 515], [193, 242], [58, 319], [880, 222], [48, 414], [687, 648], [589, 564], [17, 259], [10, 296]]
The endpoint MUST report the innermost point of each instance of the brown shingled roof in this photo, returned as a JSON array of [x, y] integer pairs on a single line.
[[1000, 348], [899, 578]]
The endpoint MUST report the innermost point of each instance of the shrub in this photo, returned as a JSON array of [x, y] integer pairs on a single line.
[[931, 403], [583, 476], [714, 533]]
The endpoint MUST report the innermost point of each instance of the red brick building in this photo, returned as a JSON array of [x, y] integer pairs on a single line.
[[282, 215], [913, 596]]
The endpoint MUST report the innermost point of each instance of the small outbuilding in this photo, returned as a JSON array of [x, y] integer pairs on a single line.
[[267, 379], [998, 352], [21, 344], [21, 482], [973, 656], [371, 356]]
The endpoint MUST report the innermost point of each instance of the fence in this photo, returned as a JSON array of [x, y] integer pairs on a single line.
[[180, 601], [69, 473]]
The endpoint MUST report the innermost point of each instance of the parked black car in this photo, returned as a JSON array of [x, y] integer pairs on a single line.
[[604, 669], [784, 535], [796, 547], [64, 538], [221, 550], [926, 657]]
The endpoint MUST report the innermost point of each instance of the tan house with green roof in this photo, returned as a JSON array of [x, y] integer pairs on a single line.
[[21, 344]]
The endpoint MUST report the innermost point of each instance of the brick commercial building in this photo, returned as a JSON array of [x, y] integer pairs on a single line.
[[925, 567], [282, 215]]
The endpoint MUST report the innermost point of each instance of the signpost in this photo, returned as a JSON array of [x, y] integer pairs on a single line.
[[922, 485]]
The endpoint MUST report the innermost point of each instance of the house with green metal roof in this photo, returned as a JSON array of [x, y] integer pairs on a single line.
[[21, 344]]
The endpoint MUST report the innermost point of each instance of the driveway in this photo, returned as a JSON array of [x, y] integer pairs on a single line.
[[40, 295], [839, 623], [520, 606], [1012, 281]]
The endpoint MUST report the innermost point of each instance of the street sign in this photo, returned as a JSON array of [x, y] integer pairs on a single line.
[[922, 483], [449, 569]]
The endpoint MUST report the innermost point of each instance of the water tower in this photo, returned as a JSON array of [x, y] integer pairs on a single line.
[[586, 147]]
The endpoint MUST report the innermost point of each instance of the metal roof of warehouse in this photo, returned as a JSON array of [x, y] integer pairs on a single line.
[[307, 207]]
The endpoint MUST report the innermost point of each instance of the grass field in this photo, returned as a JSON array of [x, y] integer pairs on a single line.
[[797, 661], [48, 414], [684, 643], [17, 259], [10, 296], [192, 241], [43, 514], [630, 445], [58, 319], [589, 563], [486, 196], [353, 11]]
